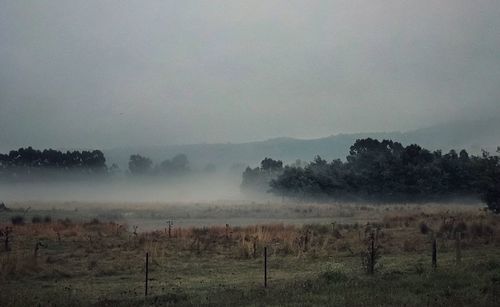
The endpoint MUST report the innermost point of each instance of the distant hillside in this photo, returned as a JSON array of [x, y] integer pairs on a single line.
[[471, 135]]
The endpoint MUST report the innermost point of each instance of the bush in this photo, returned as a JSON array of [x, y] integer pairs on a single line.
[[36, 219], [492, 199], [47, 219], [424, 229], [17, 220]]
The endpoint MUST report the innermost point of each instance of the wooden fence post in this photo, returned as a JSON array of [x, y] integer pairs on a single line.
[[147, 273], [254, 245], [265, 267], [306, 239], [459, 247], [371, 267], [170, 224], [7, 233]]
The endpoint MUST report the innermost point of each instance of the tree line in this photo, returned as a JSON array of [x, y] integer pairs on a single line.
[[140, 166], [28, 163], [384, 171], [32, 164]]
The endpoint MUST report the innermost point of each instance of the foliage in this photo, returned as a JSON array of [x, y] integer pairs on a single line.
[[385, 171], [177, 166], [139, 165], [28, 163], [259, 178]]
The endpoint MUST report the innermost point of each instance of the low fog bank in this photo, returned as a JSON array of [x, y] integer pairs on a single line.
[[201, 188]]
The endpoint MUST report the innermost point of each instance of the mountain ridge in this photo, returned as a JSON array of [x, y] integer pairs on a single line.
[[472, 135]]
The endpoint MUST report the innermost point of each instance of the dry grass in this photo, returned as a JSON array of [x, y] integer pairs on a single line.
[[80, 251]]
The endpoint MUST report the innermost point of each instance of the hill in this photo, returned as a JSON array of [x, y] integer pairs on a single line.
[[470, 135]]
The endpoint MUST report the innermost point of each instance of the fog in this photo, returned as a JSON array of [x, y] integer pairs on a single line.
[[192, 189], [101, 74], [125, 75]]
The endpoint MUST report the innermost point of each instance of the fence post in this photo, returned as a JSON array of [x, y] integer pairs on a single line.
[[434, 253], [265, 267], [371, 267], [170, 224], [7, 233], [147, 273], [306, 238], [459, 247]]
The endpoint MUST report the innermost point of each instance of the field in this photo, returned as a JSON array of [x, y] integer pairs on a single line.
[[318, 254]]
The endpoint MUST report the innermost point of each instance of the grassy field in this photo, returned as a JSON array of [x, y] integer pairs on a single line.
[[76, 259]]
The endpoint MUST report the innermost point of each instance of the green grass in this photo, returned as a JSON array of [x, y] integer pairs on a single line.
[[108, 269], [294, 282]]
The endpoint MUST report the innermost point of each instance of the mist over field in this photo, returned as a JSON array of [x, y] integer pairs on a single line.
[[205, 188], [229, 83], [260, 153]]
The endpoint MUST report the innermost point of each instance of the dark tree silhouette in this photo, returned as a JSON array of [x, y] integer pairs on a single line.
[[178, 165], [26, 163], [260, 177], [139, 165], [384, 171]]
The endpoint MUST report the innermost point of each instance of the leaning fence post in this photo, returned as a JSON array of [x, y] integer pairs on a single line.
[[265, 267], [147, 273], [434, 253]]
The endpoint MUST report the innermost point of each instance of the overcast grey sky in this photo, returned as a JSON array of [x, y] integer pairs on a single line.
[[113, 73]]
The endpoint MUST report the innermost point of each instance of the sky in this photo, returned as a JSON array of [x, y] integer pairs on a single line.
[[106, 74]]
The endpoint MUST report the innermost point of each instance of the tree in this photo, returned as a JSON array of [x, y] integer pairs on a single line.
[[139, 165], [271, 165], [178, 165], [29, 163], [388, 171], [492, 198], [258, 179]]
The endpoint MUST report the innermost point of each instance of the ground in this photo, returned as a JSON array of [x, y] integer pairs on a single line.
[[91, 256]]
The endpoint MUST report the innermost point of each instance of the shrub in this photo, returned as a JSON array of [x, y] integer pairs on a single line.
[[424, 229], [47, 219], [36, 219], [492, 199], [17, 220]]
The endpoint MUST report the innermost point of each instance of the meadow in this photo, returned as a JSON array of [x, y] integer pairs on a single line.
[[92, 254]]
